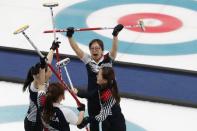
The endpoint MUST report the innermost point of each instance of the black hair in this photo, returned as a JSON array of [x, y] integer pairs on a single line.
[[28, 79], [34, 70], [100, 42]]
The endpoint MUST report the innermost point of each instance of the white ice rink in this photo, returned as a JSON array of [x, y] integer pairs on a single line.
[[147, 115], [14, 103], [32, 13]]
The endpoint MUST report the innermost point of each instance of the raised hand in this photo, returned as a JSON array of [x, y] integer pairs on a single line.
[[70, 32], [117, 29], [55, 45], [43, 62]]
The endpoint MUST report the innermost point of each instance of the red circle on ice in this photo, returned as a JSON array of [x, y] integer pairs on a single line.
[[154, 22]]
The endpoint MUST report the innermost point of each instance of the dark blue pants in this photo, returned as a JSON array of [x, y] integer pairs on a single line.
[[93, 110], [115, 122], [32, 126]]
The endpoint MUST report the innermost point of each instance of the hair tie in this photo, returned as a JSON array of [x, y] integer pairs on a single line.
[[106, 65]]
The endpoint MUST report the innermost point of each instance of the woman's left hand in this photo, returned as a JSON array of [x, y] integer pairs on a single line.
[[75, 91]]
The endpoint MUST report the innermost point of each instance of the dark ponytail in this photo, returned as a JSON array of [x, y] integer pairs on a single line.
[[28, 79], [55, 90], [34, 70], [109, 75], [115, 91]]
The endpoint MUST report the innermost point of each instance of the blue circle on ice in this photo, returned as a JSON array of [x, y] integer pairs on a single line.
[[8, 114], [76, 15]]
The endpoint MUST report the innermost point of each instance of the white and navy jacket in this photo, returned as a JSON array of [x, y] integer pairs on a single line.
[[62, 116], [92, 71], [33, 113]]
